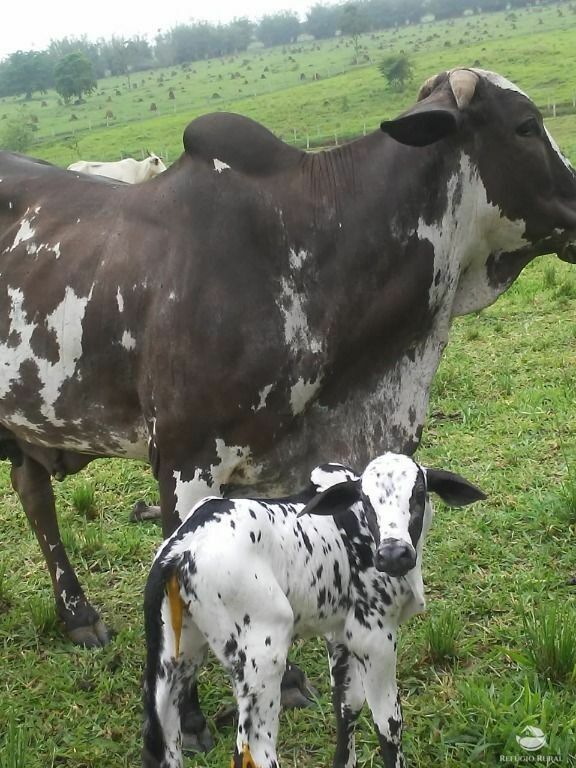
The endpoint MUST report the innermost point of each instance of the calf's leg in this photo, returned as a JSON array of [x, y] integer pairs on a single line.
[[32, 483], [347, 699], [379, 680]]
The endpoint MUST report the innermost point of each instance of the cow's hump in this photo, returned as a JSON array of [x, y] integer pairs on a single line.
[[239, 142]]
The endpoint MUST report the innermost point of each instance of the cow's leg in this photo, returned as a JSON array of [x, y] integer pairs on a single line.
[[31, 482], [347, 698], [379, 680]]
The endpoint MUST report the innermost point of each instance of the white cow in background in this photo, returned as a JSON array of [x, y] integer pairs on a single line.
[[129, 170]]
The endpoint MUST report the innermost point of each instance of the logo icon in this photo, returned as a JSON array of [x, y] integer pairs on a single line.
[[532, 739]]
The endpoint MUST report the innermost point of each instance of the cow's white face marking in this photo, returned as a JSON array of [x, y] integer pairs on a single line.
[[302, 392], [128, 341], [297, 333], [65, 323], [231, 459], [263, 395], [470, 230], [219, 166]]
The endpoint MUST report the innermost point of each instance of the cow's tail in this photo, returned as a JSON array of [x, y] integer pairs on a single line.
[[162, 583]]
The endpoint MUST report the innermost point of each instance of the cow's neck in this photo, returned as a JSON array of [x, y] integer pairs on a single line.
[[389, 339]]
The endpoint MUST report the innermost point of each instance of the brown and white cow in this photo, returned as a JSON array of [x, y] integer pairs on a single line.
[[255, 308]]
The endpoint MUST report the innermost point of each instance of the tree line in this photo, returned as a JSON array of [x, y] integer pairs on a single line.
[[27, 72]]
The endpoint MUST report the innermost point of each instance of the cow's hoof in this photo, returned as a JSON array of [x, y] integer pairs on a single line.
[[142, 511], [197, 742], [296, 691], [91, 636]]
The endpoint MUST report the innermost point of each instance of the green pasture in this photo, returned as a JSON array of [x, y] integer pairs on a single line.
[[534, 47], [502, 413]]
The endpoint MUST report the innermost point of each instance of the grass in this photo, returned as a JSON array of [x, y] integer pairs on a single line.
[[501, 413], [83, 497], [551, 643]]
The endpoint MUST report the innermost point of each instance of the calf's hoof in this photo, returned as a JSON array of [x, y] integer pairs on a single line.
[[94, 635], [142, 511]]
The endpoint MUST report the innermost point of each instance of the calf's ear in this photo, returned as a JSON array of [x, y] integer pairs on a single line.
[[453, 489], [337, 498]]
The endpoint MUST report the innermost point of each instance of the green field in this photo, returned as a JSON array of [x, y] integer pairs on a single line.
[[502, 413], [535, 50]]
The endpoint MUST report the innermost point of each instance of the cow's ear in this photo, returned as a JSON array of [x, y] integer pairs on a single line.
[[453, 489], [336, 498], [423, 125]]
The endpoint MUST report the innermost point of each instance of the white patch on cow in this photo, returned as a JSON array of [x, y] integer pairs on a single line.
[[10, 205], [558, 151], [232, 459], [65, 322], [120, 300], [220, 166], [302, 393], [128, 341], [171, 296], [297, 333], [59, 572], [263, 395], [498, 80], [324, 478], [470, 230], [25, 232]]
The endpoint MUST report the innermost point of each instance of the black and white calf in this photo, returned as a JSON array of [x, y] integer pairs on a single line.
[[243, 576]]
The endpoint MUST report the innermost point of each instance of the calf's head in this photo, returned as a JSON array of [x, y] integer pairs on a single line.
[[393, 492]]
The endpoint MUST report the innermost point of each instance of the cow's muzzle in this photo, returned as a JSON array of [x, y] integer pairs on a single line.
[[395, 557]]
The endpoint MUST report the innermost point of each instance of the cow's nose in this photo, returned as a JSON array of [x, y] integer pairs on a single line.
[[395, 557]]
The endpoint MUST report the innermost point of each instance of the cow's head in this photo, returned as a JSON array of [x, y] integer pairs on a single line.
[[155, 163], [528, 183], [393, 491]]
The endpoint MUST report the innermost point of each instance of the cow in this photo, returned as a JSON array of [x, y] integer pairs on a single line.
[[256, 307], [243, 576], [128, 170]]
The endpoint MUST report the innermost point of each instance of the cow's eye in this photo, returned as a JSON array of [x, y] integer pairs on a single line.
[[529, 127]]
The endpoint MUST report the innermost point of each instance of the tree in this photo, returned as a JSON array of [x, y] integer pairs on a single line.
[[279, 29], [354, 23], [73, 76], [397, 69], [25, 72], [323, 20], [17, 135]]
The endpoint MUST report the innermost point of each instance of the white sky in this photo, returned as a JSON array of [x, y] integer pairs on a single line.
[[31, 24]]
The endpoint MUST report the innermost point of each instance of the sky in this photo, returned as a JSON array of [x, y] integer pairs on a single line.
[[30, 25]]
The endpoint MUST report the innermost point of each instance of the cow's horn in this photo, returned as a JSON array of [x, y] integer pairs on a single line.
[[426, 88], [463, 83]]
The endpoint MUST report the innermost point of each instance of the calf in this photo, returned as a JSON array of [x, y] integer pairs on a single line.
[[243, 576]]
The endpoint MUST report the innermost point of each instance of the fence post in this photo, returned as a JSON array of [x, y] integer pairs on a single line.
[[307, 141], [294, 129], [335, 139], [554, 109]]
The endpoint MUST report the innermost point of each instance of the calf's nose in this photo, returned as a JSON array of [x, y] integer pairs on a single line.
[[395, 557]]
